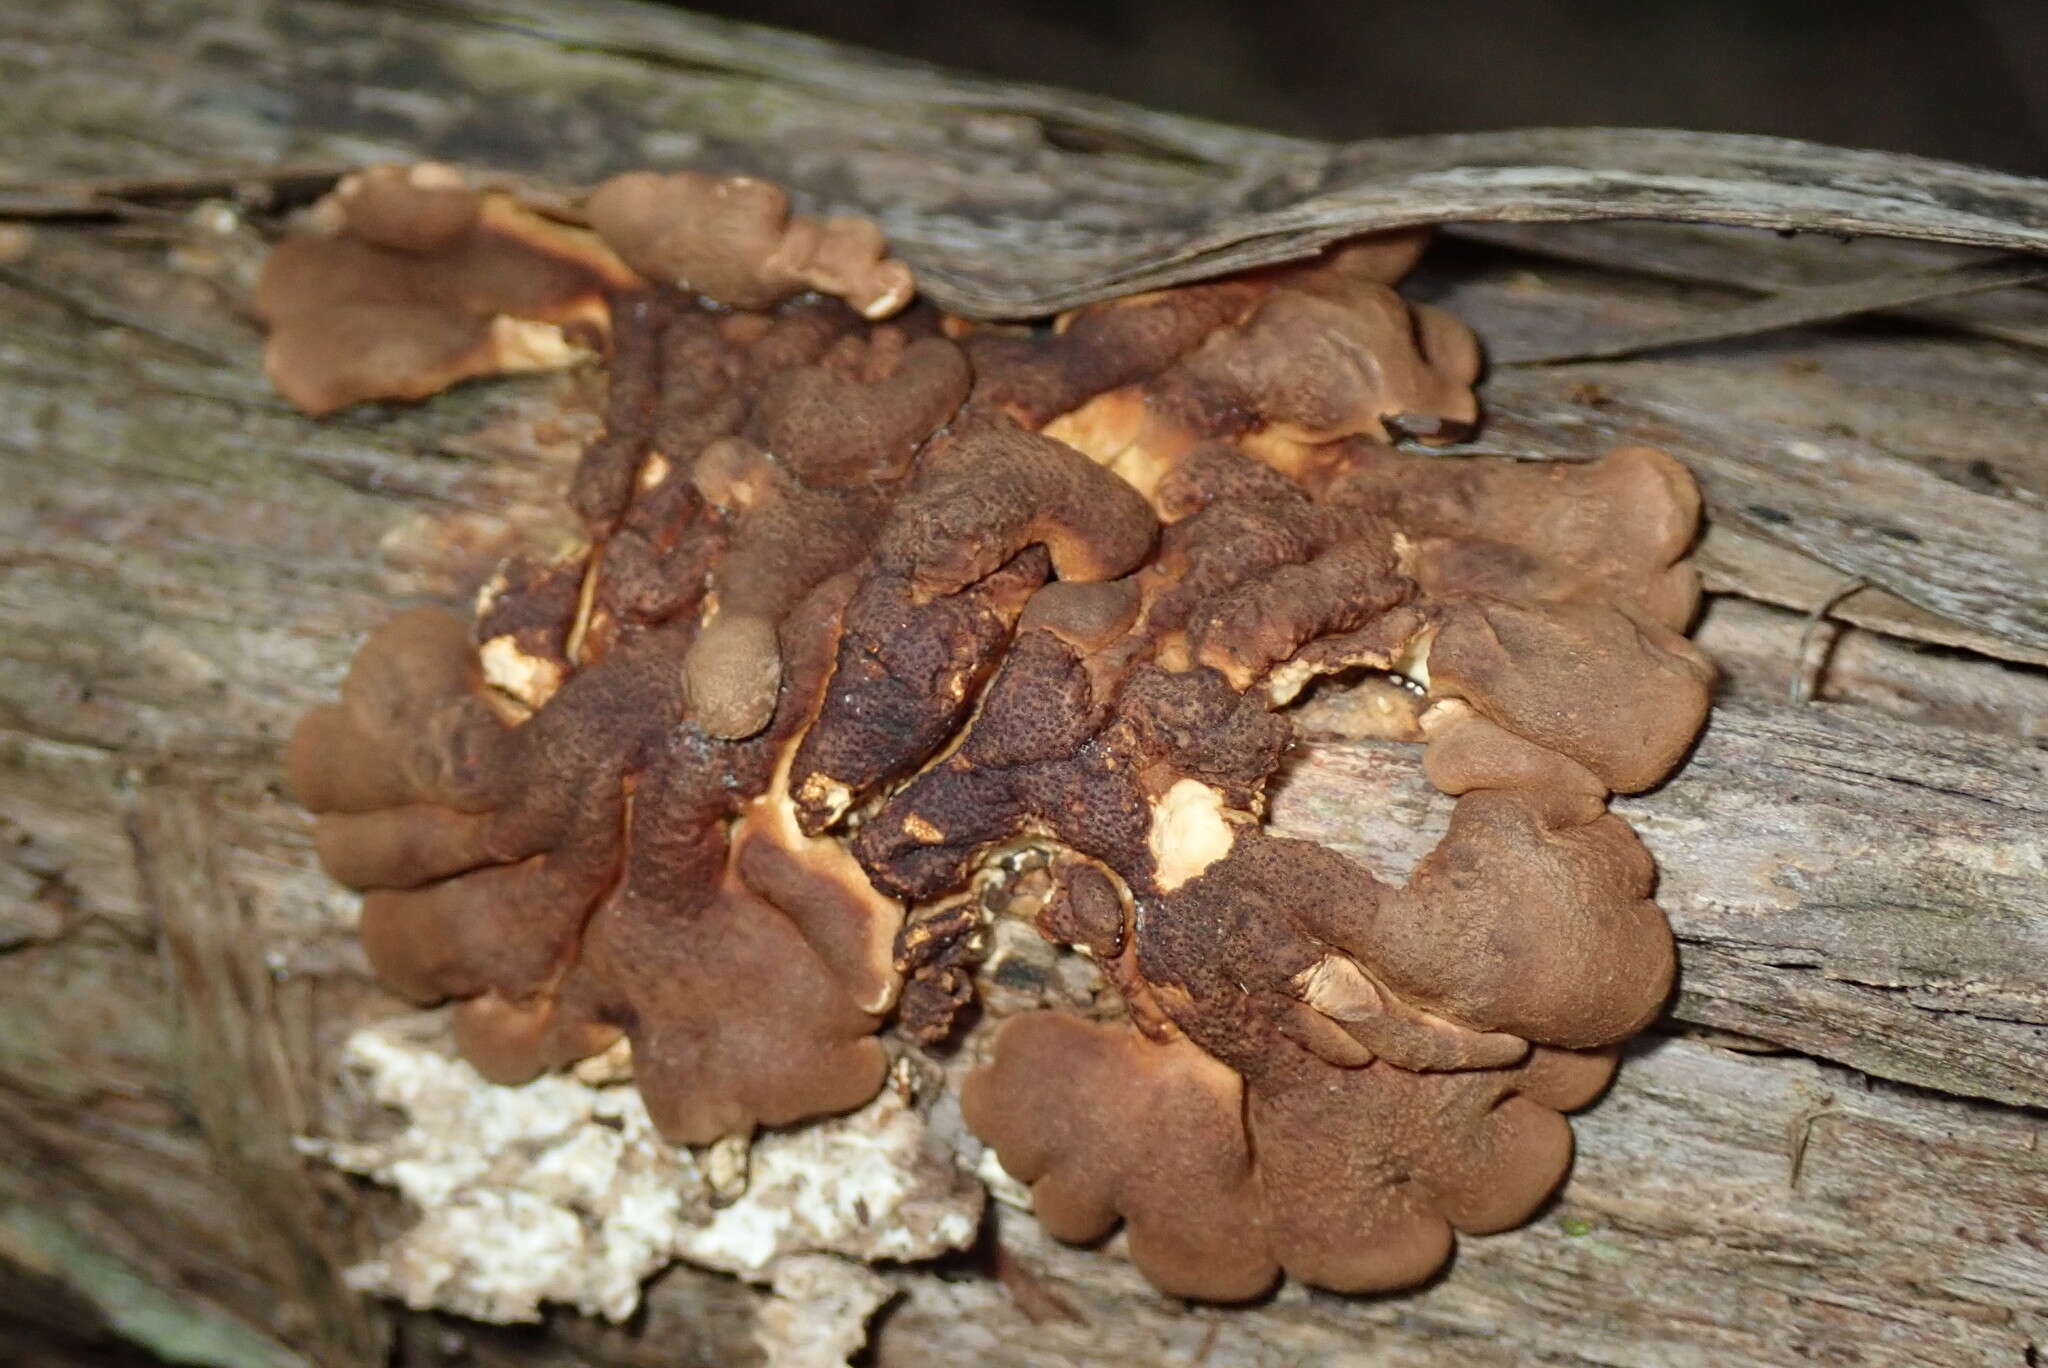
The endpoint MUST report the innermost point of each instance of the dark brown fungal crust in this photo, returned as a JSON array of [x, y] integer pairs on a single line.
[[935, 953], [874, 616]]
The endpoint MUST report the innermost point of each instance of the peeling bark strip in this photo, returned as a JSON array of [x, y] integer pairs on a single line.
[[1795, 308], [982, 187], [184, 568], [1269, 199], [1844, 500], [1173, 199], [1736, 258], [1914, 465]]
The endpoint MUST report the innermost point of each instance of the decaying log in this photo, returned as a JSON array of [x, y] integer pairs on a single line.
[[1833, 1150]]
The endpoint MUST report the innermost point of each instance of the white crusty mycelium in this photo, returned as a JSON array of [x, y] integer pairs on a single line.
[[818, 1317], [562, 1191]]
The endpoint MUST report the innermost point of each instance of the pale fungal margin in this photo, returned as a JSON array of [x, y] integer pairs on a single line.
[[921, 679]]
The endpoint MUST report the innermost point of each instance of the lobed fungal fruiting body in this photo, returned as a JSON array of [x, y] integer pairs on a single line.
[[876, 600]]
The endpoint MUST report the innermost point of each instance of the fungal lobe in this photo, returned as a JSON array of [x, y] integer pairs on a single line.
[[875, 619]]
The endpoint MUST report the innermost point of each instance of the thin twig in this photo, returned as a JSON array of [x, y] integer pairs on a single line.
[[1806, 671], [125, 196], [1038, 1302], [1801, 1132]]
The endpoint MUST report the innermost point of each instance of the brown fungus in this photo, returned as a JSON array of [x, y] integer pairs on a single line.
[[886, 628], [735, 241], [420, 282]]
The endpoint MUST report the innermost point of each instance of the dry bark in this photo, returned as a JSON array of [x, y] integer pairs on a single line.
[[1834, 1151]]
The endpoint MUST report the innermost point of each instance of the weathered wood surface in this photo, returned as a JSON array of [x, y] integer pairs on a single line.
[[1834, 1152], [1166, 198], [1712, 255]]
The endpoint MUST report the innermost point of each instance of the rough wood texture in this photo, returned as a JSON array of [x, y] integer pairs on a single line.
[[1720, 256], [1835, 1154]]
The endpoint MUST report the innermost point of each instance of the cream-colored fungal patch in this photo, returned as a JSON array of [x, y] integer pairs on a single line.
[[654, 470], [525, 344], [1405, 554], [562, 1191], [1413, 662], [557, 1191], [489, 592], [530, 679], [923, 830], [1287, 681], [613, 1064], [1111, 430], [1189, 832], [892, 300], [827, 796], [1335, 986], [867, 1186]]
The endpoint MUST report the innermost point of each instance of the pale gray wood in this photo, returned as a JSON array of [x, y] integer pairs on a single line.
[[1841, 499], [1735, 562], [1768, 656], [1888, 292], [1914, 463], [1769, 263]]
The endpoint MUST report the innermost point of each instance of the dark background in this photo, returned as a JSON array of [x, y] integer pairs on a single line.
[[1964, 79]]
